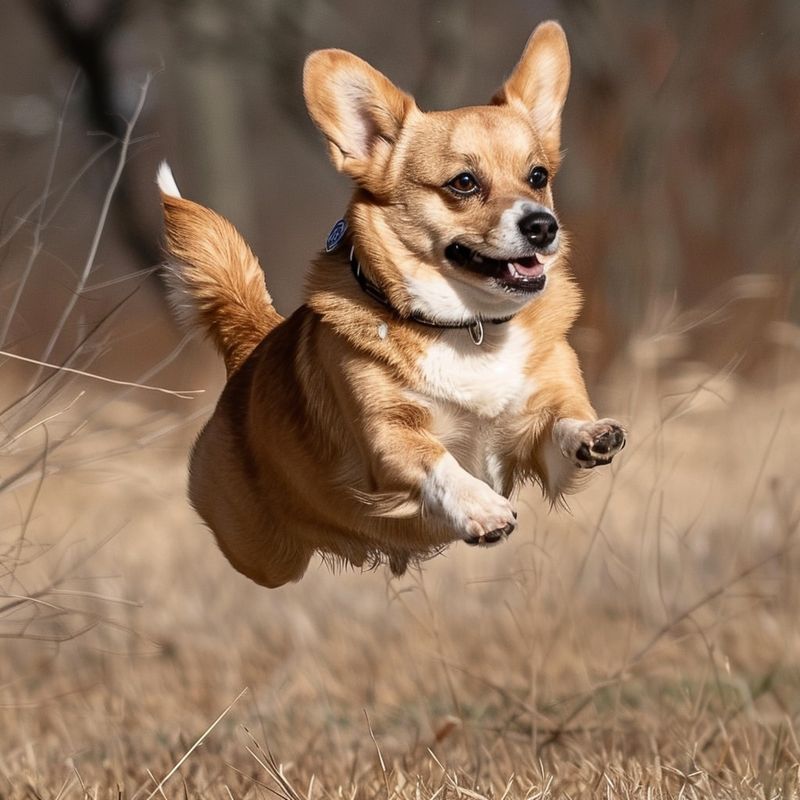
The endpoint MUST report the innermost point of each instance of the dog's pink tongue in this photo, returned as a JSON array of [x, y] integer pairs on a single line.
[[528, 267]]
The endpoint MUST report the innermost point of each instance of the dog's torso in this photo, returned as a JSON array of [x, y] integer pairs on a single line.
[[318, 373]]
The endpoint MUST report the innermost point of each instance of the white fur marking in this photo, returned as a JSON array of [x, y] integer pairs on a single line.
[[435, 298], [566, 433], [472, 507], [166, 180], [470, 388], [483, 379], [445, 299]]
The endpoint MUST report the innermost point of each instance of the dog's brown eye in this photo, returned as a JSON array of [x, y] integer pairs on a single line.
[[538, 177], [465, 183]]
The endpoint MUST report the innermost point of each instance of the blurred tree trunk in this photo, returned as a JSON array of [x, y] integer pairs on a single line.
[[445, 69], [87, 40], [211, 80]]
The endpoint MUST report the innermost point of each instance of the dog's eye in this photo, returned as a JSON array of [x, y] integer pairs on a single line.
[[538, 177], [465, 183]]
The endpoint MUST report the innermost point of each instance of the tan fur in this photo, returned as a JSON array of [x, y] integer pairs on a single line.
[[216, 281], [347, 428]]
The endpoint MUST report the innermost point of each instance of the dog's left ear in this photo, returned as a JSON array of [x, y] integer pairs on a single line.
[[539, 83]]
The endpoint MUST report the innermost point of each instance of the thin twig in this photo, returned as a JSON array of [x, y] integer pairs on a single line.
[[44, 421], [184, 394], [100, 227]]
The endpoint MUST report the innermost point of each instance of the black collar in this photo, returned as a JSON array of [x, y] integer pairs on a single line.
[[372, 290]]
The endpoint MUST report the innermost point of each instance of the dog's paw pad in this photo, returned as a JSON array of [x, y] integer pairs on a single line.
[[609, 441], [599, 442]]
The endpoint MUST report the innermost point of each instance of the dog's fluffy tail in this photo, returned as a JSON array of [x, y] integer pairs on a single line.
[[215, 281]]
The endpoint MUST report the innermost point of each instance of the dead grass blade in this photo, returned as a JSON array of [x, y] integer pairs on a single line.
[[198, 742], [184, 394]]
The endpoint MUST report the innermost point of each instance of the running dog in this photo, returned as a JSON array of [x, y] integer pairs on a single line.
[[427, 375]]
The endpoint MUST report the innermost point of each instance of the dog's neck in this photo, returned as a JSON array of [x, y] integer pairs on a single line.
[[474, 326], [375, 270]]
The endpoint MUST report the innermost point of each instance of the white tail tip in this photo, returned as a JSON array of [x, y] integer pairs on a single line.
[[166, 180]]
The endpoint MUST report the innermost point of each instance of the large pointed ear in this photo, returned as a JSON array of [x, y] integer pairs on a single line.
[[359, 110], [539, 82]]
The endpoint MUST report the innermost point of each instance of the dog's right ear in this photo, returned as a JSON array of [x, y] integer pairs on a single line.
[[360, 111], [539, 83]]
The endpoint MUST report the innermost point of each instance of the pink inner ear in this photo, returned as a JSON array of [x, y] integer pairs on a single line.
[[356, 117]]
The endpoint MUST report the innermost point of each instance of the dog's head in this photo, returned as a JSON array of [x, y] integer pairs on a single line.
[[457, 204]]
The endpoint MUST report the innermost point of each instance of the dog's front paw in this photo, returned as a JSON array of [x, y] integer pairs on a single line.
[[478, 514], [591, 444], [488, 517]]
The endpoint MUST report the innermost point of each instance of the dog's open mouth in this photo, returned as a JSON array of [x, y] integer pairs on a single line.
[[516, 275]]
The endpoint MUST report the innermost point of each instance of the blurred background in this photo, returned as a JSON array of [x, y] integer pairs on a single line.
[[682, 135], [645, 640]]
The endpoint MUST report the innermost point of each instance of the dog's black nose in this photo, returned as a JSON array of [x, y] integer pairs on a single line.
[[539, 228]]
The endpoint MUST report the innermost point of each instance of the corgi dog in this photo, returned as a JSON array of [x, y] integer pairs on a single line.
[[427, 375]]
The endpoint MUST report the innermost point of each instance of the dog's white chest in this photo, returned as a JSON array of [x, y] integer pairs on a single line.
[[484, 379], [473, 393]]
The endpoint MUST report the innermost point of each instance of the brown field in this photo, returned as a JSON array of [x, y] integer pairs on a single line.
[[643, 644]]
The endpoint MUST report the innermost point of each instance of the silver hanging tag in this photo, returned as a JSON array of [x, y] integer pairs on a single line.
[[476, 332]]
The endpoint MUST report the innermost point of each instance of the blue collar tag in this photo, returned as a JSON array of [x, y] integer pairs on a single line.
[[335, 236]]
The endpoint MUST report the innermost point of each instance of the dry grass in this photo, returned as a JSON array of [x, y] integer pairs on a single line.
[[644, 645]]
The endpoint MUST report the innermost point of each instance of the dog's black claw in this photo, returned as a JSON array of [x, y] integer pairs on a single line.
[[500, 533], [492, 537], [583, 453]]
